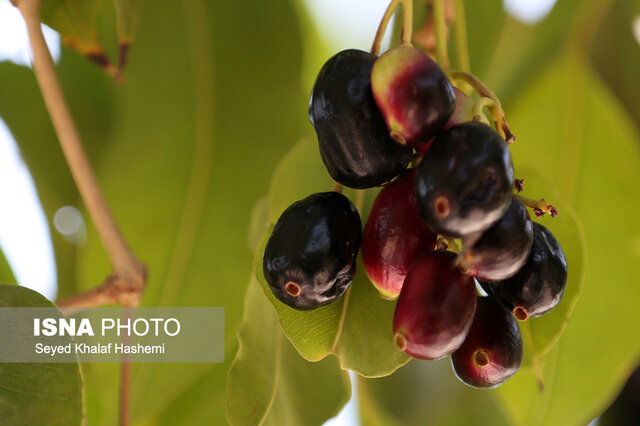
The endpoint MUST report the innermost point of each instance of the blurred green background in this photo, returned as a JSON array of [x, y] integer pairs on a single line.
[[215, 94]]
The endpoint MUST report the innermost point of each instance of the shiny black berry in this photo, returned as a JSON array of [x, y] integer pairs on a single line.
[[310, 258], [492, 351], [539, 285], [354, 140], [464, 181], [500, 251]]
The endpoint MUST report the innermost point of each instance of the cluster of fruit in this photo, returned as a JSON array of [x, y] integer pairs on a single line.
[[396, 121]]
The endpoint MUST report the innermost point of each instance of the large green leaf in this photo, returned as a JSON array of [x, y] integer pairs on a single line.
[[76, 22], [269, 383], [616, 54], [6, 274], [38, 393], [541, 333], [357, 327], [588, 149], [425, 392]]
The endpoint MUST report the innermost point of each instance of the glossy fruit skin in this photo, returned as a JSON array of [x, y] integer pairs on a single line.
[[435, 308], [500, 251], [470, 167], [394, 235], [314, 245], [413, 93], [354, 141], [494, 339], [539, 285]]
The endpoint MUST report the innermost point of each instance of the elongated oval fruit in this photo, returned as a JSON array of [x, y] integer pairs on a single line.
[[413, 93], [310, 258], [394, 235], [354, 141], [539, 285], [435, 307], [465, 179], [492, 351], [502, 249]]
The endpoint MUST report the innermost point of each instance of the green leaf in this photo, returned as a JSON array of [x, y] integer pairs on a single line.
[[75, 20], [127, 20], [269, 383], [615, 54], [574, 133], [425, 392], [38, 393], [6, 274], [541, 333], [357, 327]]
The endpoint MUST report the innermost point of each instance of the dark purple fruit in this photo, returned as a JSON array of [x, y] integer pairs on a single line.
[[310, 258], [413, 93], [492, 351], [354, 141], [435, 307], [539, 285], [502, 249], [394, 235], [464, 181], [462, 113]]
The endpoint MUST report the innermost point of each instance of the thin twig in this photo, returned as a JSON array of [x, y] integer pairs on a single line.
[[127, 282], [125, 374], [124, 262]]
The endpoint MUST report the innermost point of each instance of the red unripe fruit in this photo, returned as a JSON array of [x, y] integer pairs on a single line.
[[413, 94], [394, 235], [435, 308]]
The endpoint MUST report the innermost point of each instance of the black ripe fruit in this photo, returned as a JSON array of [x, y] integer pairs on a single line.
[[501, 250], [492, 351], [539, 285], [310, 258], [465, 179], [394, 235], [413, 93], [435, 307], [354, 141]]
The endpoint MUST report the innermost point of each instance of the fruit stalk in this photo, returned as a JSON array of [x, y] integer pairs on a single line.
[[439, 20], [540, 207], [461, 36], [407, 24], [497, 113]]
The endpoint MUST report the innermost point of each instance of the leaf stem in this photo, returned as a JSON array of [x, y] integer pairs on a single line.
[[440, 24], [125, 265]]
